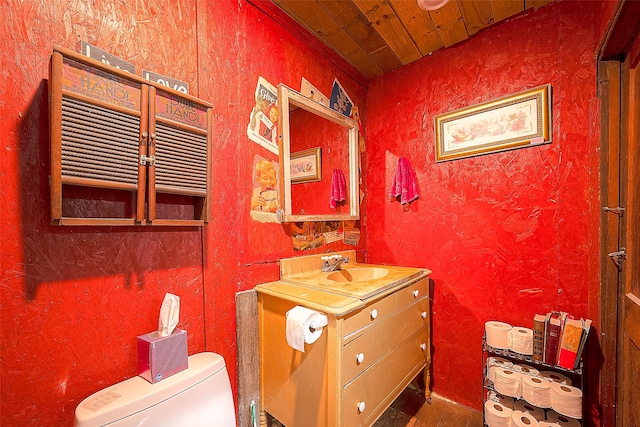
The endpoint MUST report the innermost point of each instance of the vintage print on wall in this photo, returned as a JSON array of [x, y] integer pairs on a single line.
[[306, 166], [340, 101], [264, 198], [263, 121], [311, 92], [515, 121], [306, 235], [333, 231]]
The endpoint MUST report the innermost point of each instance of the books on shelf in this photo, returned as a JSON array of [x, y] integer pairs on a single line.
[[569, 343], [553, 327], [561, 337], [586, 327], [538, 337]]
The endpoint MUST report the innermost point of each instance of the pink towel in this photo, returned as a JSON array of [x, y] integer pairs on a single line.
[[338, 188], [404, 182]]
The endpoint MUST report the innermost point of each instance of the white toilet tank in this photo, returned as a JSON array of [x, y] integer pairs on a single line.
[[198, 396]]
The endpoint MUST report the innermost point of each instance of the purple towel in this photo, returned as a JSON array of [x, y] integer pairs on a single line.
[[404, 182], [338, 188]]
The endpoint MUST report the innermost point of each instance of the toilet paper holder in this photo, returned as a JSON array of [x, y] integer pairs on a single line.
[[318, 323]]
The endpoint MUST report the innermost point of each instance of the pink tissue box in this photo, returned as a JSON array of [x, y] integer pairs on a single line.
[[160, 357]]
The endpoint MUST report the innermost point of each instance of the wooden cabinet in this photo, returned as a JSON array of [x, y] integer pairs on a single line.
[[367, 354], [125, 151]]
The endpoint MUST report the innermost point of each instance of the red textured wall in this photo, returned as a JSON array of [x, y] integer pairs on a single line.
[[73, 299], [507, 235]]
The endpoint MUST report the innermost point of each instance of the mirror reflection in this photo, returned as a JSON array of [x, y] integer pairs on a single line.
[[319, 153], [319, 161]]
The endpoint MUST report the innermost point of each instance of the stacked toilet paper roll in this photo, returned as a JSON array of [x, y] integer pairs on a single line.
[[522, 406], [521, 340], [526, 369], [505, 401], [497, 334], [556, 377], [536, 391], [523, 419], [496, 414], [508, 382], [566, 400], [496, 362], [299, 327], [562, 420]]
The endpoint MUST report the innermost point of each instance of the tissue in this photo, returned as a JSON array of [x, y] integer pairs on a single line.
[[163, 353], [161, 357], [169, 315]]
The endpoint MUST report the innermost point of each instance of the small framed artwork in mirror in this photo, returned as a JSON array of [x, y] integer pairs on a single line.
[[306, 166]]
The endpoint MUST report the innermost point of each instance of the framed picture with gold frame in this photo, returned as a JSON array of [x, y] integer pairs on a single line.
[[306, 166], [515, 121]]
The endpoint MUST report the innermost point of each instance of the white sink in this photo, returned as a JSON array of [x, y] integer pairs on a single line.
[[358, 274]]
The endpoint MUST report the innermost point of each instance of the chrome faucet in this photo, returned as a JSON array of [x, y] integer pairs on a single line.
[[333, 262]]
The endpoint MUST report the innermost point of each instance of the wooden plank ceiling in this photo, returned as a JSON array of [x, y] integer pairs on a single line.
[[377, 36]]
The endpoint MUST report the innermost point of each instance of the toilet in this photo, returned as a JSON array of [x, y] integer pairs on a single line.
[[198, 396]]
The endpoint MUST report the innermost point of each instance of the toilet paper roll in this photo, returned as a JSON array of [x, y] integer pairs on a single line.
[[521, 340], [556, 377], [526, 370], [492, 373], [508, 382], [523, 419], [497, 334], [548, 424], [503, 400], [536, 391], [496, 414], [522, 406], [566, 400], [561, 420], [298, 328], [496, 362], [500, 361]]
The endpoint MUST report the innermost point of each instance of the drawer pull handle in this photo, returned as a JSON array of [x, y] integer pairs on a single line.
[[423, 346], [424, 314], [361, 407], [374, 313], [360, 358], [416, 293]]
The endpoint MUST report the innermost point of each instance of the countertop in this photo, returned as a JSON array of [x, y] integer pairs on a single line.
[[314, 290]]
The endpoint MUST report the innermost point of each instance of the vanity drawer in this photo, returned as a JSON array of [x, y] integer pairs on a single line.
[[413, 292], [377, 341], [378, 383], [371, 314], [413, 318]]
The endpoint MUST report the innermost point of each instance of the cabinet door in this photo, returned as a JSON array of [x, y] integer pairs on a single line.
[[180, 146], [96, 128]]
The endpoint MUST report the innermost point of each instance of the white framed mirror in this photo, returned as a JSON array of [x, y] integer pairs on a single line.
[[319, 173]]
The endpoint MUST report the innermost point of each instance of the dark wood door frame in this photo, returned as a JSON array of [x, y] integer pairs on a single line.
[[619, 51]]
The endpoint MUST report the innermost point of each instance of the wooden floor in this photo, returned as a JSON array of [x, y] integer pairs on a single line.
[[411, 410]]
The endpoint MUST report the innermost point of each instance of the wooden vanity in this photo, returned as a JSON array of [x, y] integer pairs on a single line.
[[376, 342]]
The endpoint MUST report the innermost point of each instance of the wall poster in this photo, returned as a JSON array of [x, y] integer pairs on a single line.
[[263, 121], [264, 197]]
